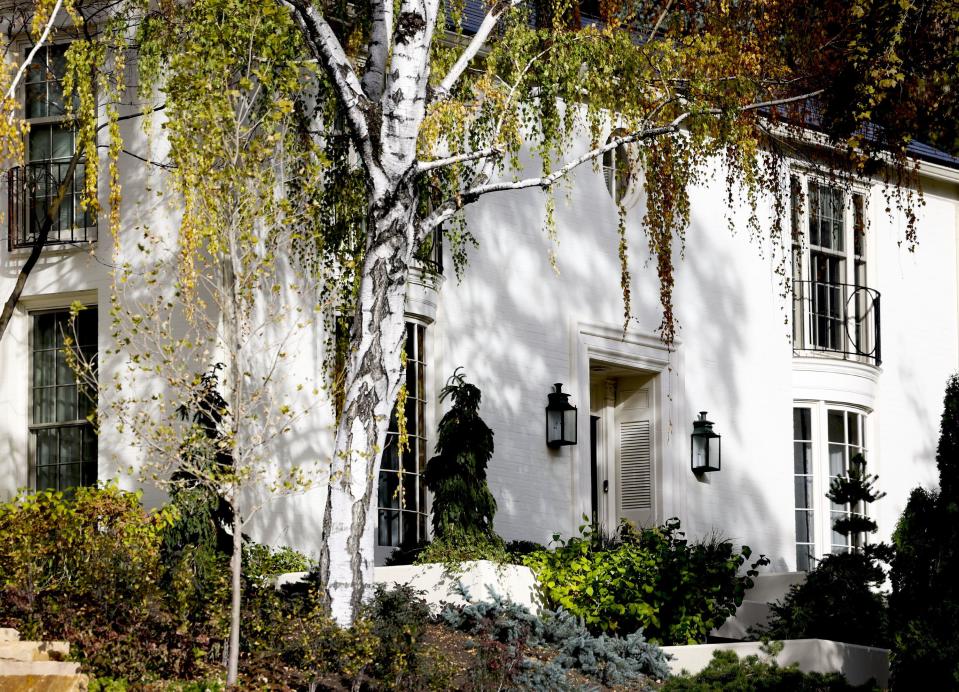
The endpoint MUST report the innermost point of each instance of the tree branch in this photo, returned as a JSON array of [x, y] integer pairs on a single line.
[[426, 166], [53, 211], [33, 52], [473, 48], [448, 209], [381, 37], [659, 22], [326, 48]]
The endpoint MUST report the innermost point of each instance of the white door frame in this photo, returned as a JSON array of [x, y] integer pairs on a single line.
[[644, 352]]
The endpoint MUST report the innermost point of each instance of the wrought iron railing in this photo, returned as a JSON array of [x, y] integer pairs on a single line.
[[838, 319], [30, 190]]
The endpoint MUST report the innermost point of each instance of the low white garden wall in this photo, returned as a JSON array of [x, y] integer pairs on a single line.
[[479, 578], [857, 663], [441, 584], [767, 588]]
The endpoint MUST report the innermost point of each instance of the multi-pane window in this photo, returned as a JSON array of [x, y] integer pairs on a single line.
[[845, 443], [834, 310], [804, 493], [826, 443], [63, 439], [402, 493], [51, 145], [827, 263]]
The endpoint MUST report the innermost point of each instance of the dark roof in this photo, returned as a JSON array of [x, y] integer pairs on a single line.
[[929, 153]]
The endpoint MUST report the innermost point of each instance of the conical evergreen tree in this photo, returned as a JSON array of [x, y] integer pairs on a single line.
[[858, 490], [463, 506], [947, 455]]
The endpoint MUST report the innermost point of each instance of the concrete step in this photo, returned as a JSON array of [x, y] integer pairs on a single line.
[[8, 634], [44, 683], [34, 651], [15, 669]]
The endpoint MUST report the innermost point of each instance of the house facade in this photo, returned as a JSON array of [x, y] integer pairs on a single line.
[[803, 353]]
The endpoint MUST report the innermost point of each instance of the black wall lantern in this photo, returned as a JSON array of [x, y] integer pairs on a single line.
[[560, 419], [705, 446]]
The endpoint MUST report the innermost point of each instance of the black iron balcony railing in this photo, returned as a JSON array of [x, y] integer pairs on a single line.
[[837, 319], [31, 189]]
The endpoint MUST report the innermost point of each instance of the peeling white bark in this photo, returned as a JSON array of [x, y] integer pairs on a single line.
[[372, 384]]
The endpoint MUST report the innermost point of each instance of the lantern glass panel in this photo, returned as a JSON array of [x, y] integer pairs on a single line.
[[700, 452], [554, 426], [569, 426], [713, 454]]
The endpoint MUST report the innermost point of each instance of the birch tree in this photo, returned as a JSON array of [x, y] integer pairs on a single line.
[[411, 114]]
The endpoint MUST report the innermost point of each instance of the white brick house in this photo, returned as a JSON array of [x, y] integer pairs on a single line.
[[855, 359]]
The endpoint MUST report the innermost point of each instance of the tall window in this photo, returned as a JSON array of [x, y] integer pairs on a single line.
[[804, 489], [834, 309], [401, 492], [845, 442], [63, 440], [826, 442], [50, 147]]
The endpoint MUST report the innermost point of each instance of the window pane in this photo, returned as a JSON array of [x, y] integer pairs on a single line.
[[802, 429], [804, 558], [854, 424], [837, 456], [62, 148], [388, 486], [804, 526], [70, 476], [46, 441], [837, 429], [70, 445], [39, 149], [803, 492]]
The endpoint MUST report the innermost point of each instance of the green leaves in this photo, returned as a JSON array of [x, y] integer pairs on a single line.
[[651, 579]]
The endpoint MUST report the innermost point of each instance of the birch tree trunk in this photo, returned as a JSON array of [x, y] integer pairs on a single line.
[[373, 381]]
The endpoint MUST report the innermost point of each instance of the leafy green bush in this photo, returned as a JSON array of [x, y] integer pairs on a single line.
[[726, 672], [649, 579], [87, 568], [508, 634], [837, 601]]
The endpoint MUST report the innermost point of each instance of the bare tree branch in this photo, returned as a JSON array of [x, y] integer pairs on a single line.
[[53, 212], [33, 52], [659, 22], [489, 152], [448, 209], [475, 45]]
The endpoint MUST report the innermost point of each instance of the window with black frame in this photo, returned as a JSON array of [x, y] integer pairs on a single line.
[[51, 144], [63, 440], [401, 491]]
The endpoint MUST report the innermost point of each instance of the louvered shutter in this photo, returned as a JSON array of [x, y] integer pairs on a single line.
[[634, 454], [635, 467]]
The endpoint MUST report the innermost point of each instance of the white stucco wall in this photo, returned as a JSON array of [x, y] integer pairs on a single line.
[[517, 326]]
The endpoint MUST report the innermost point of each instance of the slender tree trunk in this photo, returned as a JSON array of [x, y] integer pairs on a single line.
[[372, 383], [236, 567]]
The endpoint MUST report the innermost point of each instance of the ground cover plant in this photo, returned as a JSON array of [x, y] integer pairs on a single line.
[[652, 579]]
